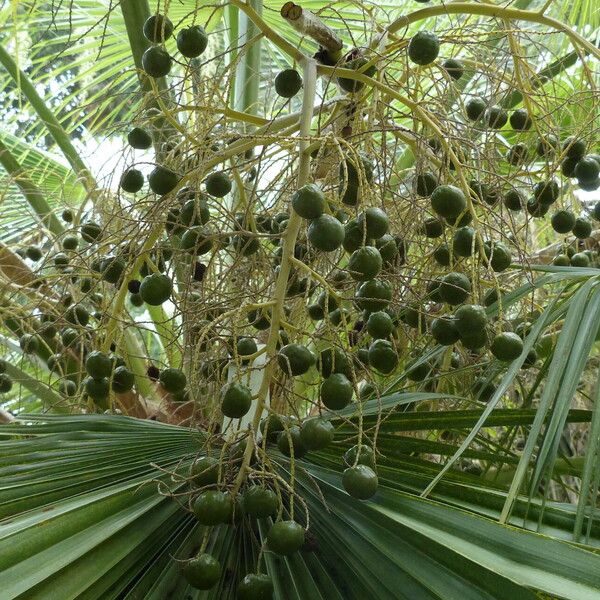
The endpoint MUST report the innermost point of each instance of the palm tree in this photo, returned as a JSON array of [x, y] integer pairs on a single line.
[[461, 467]]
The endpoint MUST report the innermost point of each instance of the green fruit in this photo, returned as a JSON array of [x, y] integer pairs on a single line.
[[315, 312], [156, 62], [483, 390], [218, 184], [433, 228], [375, 221], [441, 255], [462, 241], [388, 249], [67, 387], [561, 260], [366, 456], [580, 259], [475, 108], [574, 147], [162, 180], [423, 48], [158, 28], [563, 221], [316, 433], [596, 211], [139, 139], [29, 343], [70, 242], [285, 537], [418, 372], [309, 201], [357, 64], [426, 183], [546, 192], [448, 201], [98, 364], [380, 325], [197, 241], [353, 172], [194, 213], [470, 319], [360, 482], [454, 68], [507, 346], [97, 389], [333, 360], [353, 236], [336, 391], [213, 507], [474, 340], [365, 263], [132, 181], [582, 228], [3, 365], [156, 289], [513, 200], [61, 260], [455, 288], [520, 120], [496, 117], [587, 169], [567, 166], [498, 255], [537, 209], [5, 383], [33, 253], [205, 471], [255, 587], [260, 502], [259, 319], [236, 400], [547, 146], [326, 300], [246, 346], [112, 268], [192, 41], [67, 215], [326, 233], [122, 380], [172, 380], [91, 232], [382, 356], [202, 572], [283, 442], [444, 331], [517, 154], [295, 359], [373, 295], [288, 83]]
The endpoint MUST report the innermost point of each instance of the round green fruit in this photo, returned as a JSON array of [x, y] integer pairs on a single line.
[[158, 28], [433, 228], [202, 572], [517, 154], [444, 331], [325, 233], [448, 201], [582, 228], [441, 255], [425, 183], [292, 434], [139, 139], [580, 259], [295, 359], [255, 587], [29, 343], [91, 232], [192, 41], [470, 319], [98, 364], [462, 241], [546, 192], [483, 390], [122, 380], [513, 200], [380, 325], [132, 181], [388, 248], [365, 263], [507, 346], [70, 242], [213, 507], [336, 391], [475, 108], [561, 260], [316, 433], [260, 502], [172, 380], [498, 255], [6, 383], [97, 389], [357, 64], [33, 253], [67, 215], [360, 482], [373, 295], [423, 48], [288, 83], [520, 120], [309, 201], [455, 288], [218, 184], [382, 356], [365, 456], [162, 180], [375, 221], [574, 147], [563, 221], [205, 471], [156, 289], [197, 240], [454, 68], [156, 62], [236, 400], [496, 117], [285, 537], [67, 387]]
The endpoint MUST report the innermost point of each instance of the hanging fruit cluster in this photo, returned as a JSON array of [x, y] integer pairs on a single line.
[[286, 303]]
